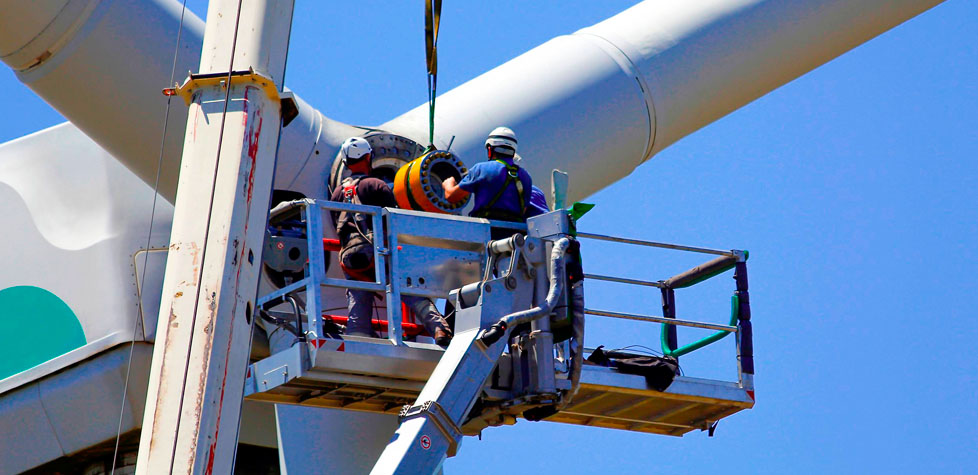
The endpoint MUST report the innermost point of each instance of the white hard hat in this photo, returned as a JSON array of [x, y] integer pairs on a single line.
[[353, 149], [503, 137]]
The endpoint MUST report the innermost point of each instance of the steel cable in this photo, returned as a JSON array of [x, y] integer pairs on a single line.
[[149, 237], [210, 210]]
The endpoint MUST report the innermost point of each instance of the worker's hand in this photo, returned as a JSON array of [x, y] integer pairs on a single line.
[[453, 193]]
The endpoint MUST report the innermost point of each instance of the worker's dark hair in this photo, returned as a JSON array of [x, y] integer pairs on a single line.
[[363, 158], [502, 151]]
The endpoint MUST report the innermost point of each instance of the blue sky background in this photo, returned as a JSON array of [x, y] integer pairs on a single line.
[[854, 187]]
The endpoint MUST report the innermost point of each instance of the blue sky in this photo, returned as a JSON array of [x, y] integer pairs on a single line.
[[854, 188]]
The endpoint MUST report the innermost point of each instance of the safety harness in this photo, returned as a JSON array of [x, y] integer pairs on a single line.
[[357, 254], [512, 176]]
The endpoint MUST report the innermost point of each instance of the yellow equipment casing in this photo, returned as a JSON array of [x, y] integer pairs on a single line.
[[417, 184]]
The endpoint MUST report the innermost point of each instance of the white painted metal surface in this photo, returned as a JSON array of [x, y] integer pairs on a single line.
[[675, 51], [69, 208], [71, 410], [102, 65], [204, 333], [706, 58], [621, 90], [599, 102], [73, 36], [340, 449]]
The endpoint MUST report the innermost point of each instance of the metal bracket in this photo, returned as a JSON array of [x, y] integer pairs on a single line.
[[740, 255], [435, 413], [196, 82], [518, 259]]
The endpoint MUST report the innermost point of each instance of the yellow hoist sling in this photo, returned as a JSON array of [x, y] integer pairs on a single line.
[[432, 18]]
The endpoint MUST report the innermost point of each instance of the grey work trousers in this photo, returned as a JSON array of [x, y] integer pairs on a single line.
[[361, 305]]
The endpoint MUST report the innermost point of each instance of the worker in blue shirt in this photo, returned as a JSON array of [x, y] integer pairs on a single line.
[[502, 188], [538, 203]]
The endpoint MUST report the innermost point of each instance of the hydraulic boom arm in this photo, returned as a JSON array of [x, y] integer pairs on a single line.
[[430, 429]]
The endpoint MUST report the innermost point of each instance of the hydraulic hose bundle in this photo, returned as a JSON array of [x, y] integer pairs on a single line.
[[417, 185]]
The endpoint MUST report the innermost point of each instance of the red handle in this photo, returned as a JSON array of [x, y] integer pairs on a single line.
[[331, 245]]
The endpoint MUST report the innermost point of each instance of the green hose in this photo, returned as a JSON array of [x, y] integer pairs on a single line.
[[666, 351]]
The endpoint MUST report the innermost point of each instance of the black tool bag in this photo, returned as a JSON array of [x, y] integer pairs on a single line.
[[659, 371]]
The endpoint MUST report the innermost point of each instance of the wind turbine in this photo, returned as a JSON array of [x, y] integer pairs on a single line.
[[658, 91]]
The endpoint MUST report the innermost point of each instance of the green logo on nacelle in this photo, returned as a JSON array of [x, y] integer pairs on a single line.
[[35, 326]]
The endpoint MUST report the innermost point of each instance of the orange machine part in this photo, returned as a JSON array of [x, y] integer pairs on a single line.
[[414, 186]]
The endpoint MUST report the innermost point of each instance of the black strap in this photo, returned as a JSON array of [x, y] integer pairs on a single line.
[[407, 187]]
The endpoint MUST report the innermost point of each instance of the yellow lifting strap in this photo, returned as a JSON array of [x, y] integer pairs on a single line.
[[432, 17]]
